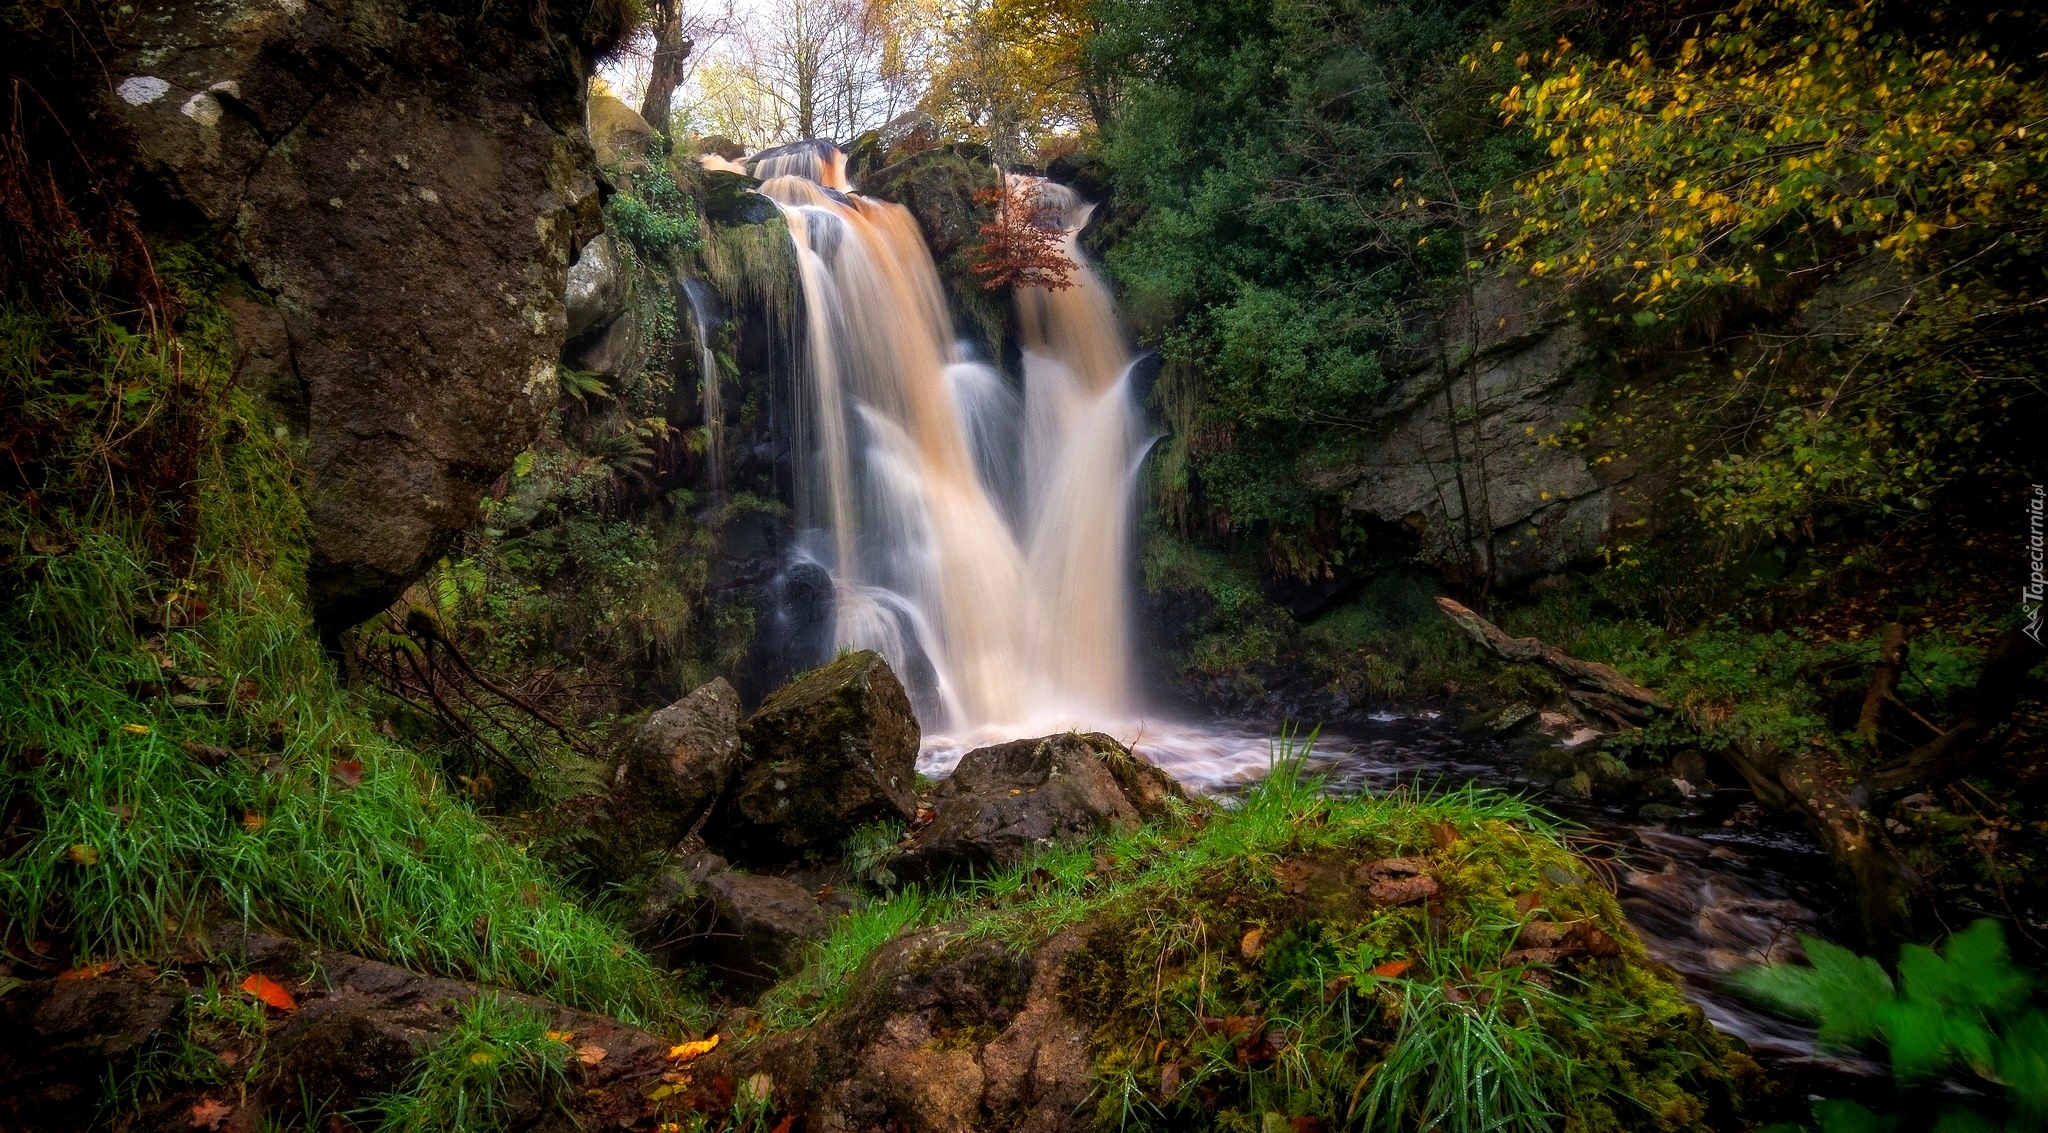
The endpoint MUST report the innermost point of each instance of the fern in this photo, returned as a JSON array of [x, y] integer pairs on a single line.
[[1966, 1006], [582, 384]]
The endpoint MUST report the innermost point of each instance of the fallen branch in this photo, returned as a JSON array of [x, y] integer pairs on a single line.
[[1949, 755], [1884, 684], [1611, 694]]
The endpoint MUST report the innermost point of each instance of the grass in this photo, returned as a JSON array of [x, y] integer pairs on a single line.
[[178, 752], [1230, 975], [499, 1055]]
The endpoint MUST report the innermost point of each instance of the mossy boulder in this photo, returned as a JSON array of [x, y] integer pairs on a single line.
[[678, 762], [1004, 803], [1295, 962], [832, 751], [938, 188], [729, 198], [623, 140]]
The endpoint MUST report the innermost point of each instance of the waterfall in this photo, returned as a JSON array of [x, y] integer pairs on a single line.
[[977, 538], [710, 400]]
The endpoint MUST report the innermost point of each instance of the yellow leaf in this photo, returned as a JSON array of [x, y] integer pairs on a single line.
[[138, 729], [684, 1052], [82, 854]]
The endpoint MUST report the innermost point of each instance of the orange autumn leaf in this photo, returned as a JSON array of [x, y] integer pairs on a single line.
[[684, 1052], [348, 772], [90, 971], [253, 822], [1390, 969], [208, 1113], [590, 1054], [270, 991]]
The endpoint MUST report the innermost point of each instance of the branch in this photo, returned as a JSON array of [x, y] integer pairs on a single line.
[[1884, 683], [1949, 755], [1611, 692]]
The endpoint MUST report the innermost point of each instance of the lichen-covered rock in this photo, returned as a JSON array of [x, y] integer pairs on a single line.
[[1006, 802], [597, 284], [405, 185], [831, 751], [623, 140], [676, 765]]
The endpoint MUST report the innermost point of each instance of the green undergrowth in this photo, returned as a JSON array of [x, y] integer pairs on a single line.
[[177, 750], [499, 1056], [1235, 972]]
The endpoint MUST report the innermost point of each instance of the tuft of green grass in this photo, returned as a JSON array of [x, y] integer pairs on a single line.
[[499, 1055]]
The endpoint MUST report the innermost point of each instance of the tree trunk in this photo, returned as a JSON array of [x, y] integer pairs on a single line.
[[671, 50]]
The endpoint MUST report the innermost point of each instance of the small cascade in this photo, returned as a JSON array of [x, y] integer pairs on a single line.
[[711, 399], [977, 537]]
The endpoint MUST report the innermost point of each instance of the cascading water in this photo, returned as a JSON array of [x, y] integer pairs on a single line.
[[976, 539]]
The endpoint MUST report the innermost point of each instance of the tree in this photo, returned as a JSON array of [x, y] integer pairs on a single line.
[[1012, 74], [665, 50], [811, 69]]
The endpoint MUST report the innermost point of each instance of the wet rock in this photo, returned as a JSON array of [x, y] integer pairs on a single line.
[[747, 928], [404, 187], [729, 198], [1004, 803], [597, 284], [831, 751], [938, 188], [679, 761], [60, 1037], [616, 350]]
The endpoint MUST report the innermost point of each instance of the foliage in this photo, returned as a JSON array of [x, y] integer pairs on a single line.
[[1881, 181], [1013, 74], [1264, 150], [1023, 244], [466, 1080], [655, 215], [1966, 1007]]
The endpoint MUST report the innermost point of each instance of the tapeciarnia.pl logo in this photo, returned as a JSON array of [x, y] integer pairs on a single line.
[[2037, 555]]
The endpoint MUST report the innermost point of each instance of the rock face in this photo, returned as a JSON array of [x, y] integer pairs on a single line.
[[597, 284], [405, 186], [938, 188], [831, 751], [1007, 802], [1539, 505], [677, 764], [938, 1036]]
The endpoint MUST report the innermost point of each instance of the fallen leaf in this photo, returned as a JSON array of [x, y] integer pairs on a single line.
[[230, 1056], [1540, 934], [253, 822], [137, 729], [560, 1036], [1391, 969], [270, 991], [44, 545], [1444, 834], [1404, 890], [590, 1054], [89, 971], [684, 1052], [1593, 940], [783, 1125], [1254, 942], [1391, 867], [1230, 1026], [1336, 987], [1308, 1125], [208, 1113], [1169, 1079], [925, 815], [348, 772], [246, 689], [82, 854], [1294, 876], [206, 755]]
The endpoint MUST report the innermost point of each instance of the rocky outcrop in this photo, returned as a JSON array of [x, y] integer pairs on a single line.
[[938, 188], [405, 186], [1538, 504], [1004, 803], [939, 1035], [831, 751], [597, 284]]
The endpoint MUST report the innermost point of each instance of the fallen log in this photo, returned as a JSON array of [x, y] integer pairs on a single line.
[[1621, 695], [1951, 754]]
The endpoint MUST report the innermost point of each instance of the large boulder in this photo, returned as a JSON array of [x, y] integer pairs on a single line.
[[404, 184], [624, 142], [1005, 803], [831, 751], [675, 767]]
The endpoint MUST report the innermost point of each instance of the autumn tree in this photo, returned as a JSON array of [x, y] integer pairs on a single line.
[[1024, 244], [1013, 73]]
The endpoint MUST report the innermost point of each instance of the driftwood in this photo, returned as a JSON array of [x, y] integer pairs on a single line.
[[1603, 690]]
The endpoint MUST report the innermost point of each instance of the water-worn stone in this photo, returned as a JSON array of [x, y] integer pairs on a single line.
[[60, 1038], [831, 751], [676, 765], [1006, 802], [404, 184]]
